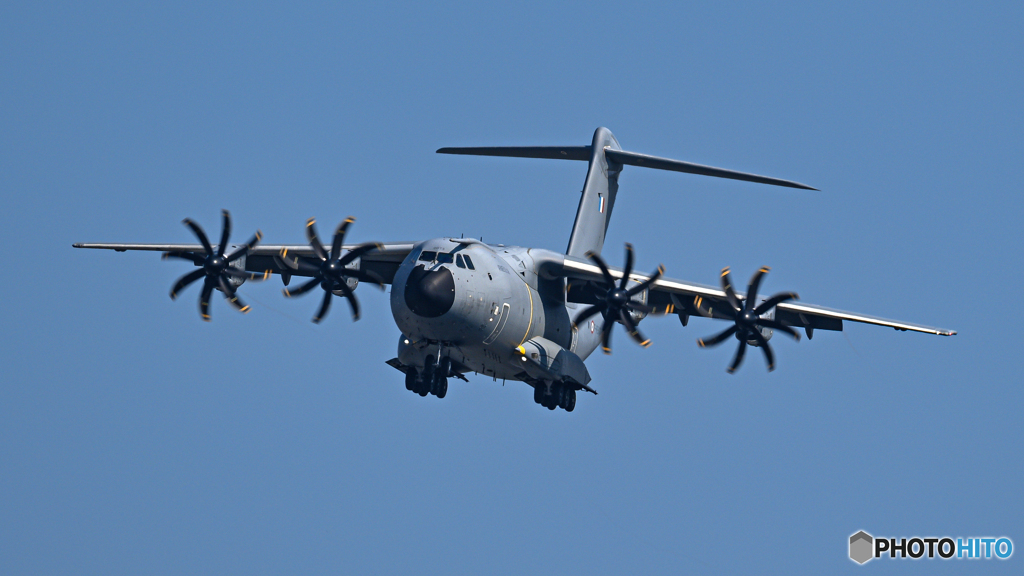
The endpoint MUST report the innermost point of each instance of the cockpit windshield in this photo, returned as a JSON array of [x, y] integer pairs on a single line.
[[445, 258]]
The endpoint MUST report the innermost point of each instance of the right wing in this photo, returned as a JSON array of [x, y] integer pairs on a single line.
[[383, 262]]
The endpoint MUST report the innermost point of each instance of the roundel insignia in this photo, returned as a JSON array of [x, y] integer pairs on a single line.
[[591, 326]]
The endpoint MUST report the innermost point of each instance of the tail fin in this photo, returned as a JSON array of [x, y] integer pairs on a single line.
[[606, 161], [598, 198]]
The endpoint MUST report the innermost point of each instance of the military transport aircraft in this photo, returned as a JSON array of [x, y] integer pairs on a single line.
[[510, 312]]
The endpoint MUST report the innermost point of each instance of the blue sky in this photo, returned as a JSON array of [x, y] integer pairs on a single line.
[[138, 439]]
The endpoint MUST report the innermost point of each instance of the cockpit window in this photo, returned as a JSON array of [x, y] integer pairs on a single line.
[[459, 262], [445, 258], [428, 256], [469, 263]]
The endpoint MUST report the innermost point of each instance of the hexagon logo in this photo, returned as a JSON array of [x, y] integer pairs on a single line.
[[861, 545]]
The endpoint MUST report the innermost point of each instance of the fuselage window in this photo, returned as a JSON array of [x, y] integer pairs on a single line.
[[469, 262], [458, 261], [428, 256], [445, 258]]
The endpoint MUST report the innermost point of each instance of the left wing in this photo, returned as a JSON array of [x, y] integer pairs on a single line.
[[684, 299]]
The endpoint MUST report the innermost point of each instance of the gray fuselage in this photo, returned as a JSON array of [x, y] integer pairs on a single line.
[[478, 303]]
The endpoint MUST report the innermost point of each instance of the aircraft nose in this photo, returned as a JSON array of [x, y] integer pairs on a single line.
[[430, 293]]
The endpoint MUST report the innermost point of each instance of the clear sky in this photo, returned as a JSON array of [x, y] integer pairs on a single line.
[[136, 439]]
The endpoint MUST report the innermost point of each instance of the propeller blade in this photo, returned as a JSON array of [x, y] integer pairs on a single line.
[[608, 280], [250, 276], [633, 305], [185, 281], [285, 262], [359, 251], [596, 308], [339, 237], [302, 289], [204, 298], [729, 292], [225, 232], [629, 266], [314, 241], [231, 296], [646, 283], [763, 344], [755, 282], [323, 307], [367, 276], [719, 338], [300, 267], [351, 299], [634, 333], [194, 258], [738, 359], [198, 231], [246, 247], [776, 325], [704, 309], [606, 335], [774, 300]]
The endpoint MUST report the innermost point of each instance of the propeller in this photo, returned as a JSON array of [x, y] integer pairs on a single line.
[[616, 302], [747, 318], [216, 270], [331, 273]]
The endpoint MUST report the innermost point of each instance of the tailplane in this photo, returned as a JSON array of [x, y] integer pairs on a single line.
[[606, 160]]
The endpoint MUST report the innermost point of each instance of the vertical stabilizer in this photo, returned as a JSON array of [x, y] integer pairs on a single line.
[[606, 161], [597, 198]]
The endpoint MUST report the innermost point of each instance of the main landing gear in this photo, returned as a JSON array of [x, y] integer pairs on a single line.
[[555, 396], [432, 380]]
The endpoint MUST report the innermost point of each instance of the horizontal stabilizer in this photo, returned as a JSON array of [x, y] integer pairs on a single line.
[[547, 152], [619, 157], [647, 161]]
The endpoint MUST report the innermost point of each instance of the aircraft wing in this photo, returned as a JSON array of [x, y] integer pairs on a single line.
[[383, 261], [682, 298]]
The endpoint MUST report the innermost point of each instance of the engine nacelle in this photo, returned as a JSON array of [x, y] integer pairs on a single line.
[[766, 332], [640, 298], [237, 265]]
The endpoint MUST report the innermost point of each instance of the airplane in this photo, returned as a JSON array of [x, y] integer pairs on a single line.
[[510, 312]]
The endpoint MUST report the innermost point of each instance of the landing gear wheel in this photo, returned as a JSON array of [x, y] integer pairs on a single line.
[[410, 379], [559, 393], [439, 378], [538, 394], [570, 400], [551, 398], [426, 380]]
